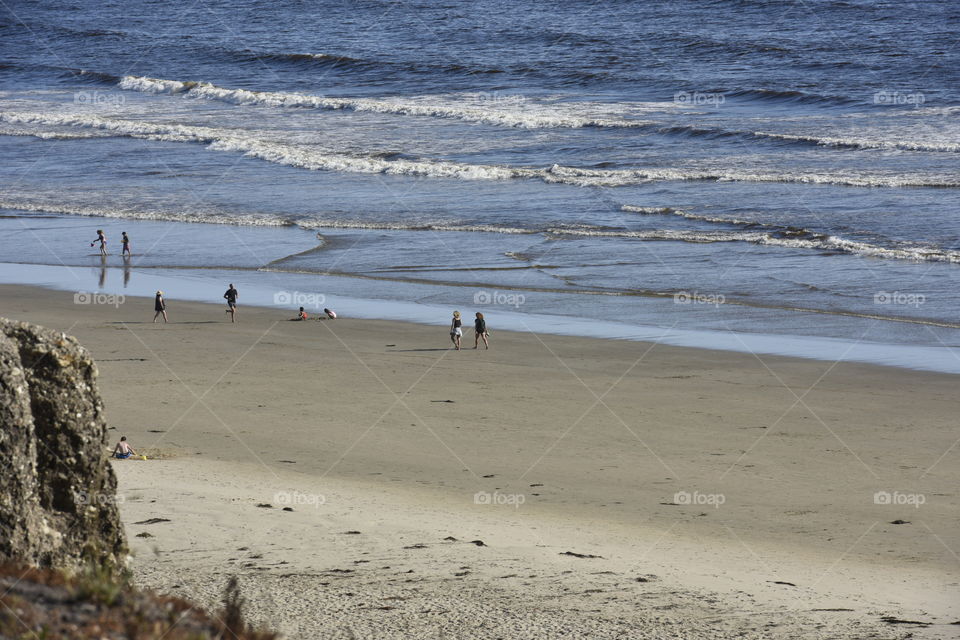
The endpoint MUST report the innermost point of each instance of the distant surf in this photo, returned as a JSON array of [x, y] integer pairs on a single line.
[[255, 144]]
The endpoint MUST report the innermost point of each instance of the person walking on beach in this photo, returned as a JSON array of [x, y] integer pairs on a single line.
[[480, 331], [123, 449], [231, 298], [125, 240], [456, 330], [102, 239], [160, 307]]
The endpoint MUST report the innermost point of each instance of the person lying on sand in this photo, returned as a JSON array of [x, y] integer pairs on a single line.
[[123, 449], [300, 316]]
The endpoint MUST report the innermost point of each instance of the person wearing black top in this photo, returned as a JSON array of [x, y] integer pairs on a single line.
[[160, 307], [456, 330], [480, 331], [231, 298]]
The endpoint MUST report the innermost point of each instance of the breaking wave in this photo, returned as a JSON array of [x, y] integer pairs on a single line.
[[315, 158], [511, 111], [482, 108]]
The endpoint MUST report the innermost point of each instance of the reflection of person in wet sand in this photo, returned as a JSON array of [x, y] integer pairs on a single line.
[[123, 449], [102, 239], [160, 307]]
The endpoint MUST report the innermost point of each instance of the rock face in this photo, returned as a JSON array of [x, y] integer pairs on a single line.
[[57, 489]]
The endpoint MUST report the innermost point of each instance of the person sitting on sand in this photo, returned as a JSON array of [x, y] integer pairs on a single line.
[[300, 316], [331, 314], [456, 330], [123, 449]]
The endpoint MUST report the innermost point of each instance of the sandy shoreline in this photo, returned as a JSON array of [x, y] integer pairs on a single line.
[[778, 459]]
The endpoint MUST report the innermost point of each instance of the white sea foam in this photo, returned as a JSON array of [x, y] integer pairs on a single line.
[[808, 240], [622, 177], [251, 143], [686, 214], [193, 215], [470, 108], [867, 143], [479, 108]]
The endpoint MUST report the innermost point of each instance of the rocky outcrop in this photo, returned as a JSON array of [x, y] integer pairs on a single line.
[[57, 488]]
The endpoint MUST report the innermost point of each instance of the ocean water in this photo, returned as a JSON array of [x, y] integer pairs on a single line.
[[729, 168]]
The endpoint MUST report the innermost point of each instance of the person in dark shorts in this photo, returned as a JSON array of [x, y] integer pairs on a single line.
[[231, 298], [160, 307], [125, 240], [480, 331]]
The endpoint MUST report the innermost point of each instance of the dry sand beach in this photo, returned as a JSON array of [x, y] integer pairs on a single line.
[[549, 487]]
